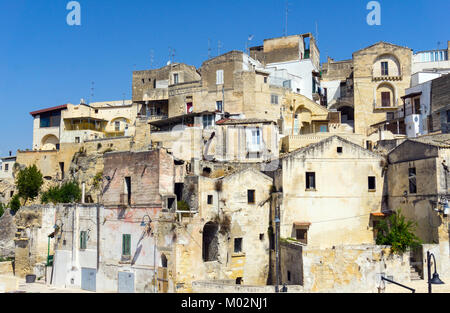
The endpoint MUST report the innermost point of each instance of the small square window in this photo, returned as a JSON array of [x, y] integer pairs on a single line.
[[83, 240], [77, 139], [372, 183], [265, 80], [251, 196], [237, 245], [339, 149], [210, 199], [261, 236]]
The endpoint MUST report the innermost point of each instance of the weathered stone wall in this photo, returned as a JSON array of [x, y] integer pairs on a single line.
[[8, 229], [352, 268], [440, 102], [229, 287]]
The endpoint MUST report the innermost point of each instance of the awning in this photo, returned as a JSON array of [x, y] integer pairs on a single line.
[[412, 95], [57, 108], [302, 224]]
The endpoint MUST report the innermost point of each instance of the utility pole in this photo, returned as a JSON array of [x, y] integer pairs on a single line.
[[277, 245], [209, 48]]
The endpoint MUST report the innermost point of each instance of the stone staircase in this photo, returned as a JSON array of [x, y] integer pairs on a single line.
[[415, 274]]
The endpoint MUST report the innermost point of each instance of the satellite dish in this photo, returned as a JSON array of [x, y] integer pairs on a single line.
[[169, 62]]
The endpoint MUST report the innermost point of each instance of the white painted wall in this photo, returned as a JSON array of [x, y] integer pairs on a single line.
[[333, 91], [416, 125]]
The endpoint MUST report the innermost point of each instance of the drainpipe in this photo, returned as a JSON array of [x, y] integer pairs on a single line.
[[83, 192]]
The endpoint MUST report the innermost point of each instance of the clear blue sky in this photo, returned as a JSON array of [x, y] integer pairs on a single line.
[[44, 62]]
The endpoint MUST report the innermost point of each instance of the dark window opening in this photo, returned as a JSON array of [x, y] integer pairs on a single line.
[[288, 275], [372, 183], [251, 196], [51, 119], [339, 150], [237, 245], [171, 204], [61, 168], [239, 281], [128, 189], [179, 190], [210, 242], [412, 180], [261, 236], [302, 235], [11, 194], [210, 199], [417, 109], [77, 139], [163, 260], [206, 171], [310, 181]]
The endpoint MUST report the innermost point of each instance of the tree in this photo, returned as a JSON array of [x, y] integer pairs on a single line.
[[397, 233], [29, 182]]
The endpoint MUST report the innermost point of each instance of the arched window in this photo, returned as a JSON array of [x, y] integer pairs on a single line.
[[210, 242], [385, 96]]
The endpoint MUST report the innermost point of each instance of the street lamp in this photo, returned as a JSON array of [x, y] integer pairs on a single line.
[[435, 280]]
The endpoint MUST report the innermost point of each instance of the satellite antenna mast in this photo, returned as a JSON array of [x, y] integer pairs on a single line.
[[92, 92], [287, 18], [152, 58], [219, 45], [438, 57], [209, 48], [317, 34]]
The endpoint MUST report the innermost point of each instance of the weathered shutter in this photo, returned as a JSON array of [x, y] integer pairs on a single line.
[[126, 245]]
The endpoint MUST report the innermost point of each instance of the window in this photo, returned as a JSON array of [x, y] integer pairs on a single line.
[[6, 167], [50, 119], [289, 275], [117, 126], [372, 183], [310, 181], [256, 137], [126, 245], [219, 77], [219, 106], [417, 106], [412, 180], [210, 247], [237, 245], [251, 196], [239, 281], [61, 168], [261, 236], [83, 240], [339, 149], [210, 199], [386, 99], [390, 116], [77, 139], [208, 121], [96, 111], [11, 193], [302, 235], [323, 128], [265, 80], [128, 189], [448, 116], [384, 68], [274, 99], [175, 78]]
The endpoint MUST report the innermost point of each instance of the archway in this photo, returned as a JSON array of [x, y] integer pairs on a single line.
[[50, 142], [210, 242]]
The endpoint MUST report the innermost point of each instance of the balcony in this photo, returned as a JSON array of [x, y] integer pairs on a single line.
[[387, 78], [115, 134]]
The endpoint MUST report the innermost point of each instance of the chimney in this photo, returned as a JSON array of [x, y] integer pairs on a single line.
[[10, 153]]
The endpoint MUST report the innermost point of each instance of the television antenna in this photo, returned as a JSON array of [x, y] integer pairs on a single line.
[[219, 45], [209, 49], [287, 18]]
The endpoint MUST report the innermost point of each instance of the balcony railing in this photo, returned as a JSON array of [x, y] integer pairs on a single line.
[[114, 134]]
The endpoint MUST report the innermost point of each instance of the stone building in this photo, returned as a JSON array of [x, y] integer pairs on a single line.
[[7, 178], [137, 187], [369, 87], [417, 180], [224, 235], [79, 123], [332, 192]]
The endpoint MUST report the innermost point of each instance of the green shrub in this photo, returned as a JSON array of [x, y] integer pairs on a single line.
[[15, 204], [69, 192], [397, 233], [183, 206], [2, 209]]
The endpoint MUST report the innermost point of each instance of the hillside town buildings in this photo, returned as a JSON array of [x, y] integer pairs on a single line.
[[258, 168]]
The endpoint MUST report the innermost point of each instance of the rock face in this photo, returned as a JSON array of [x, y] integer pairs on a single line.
[[8, 229]]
